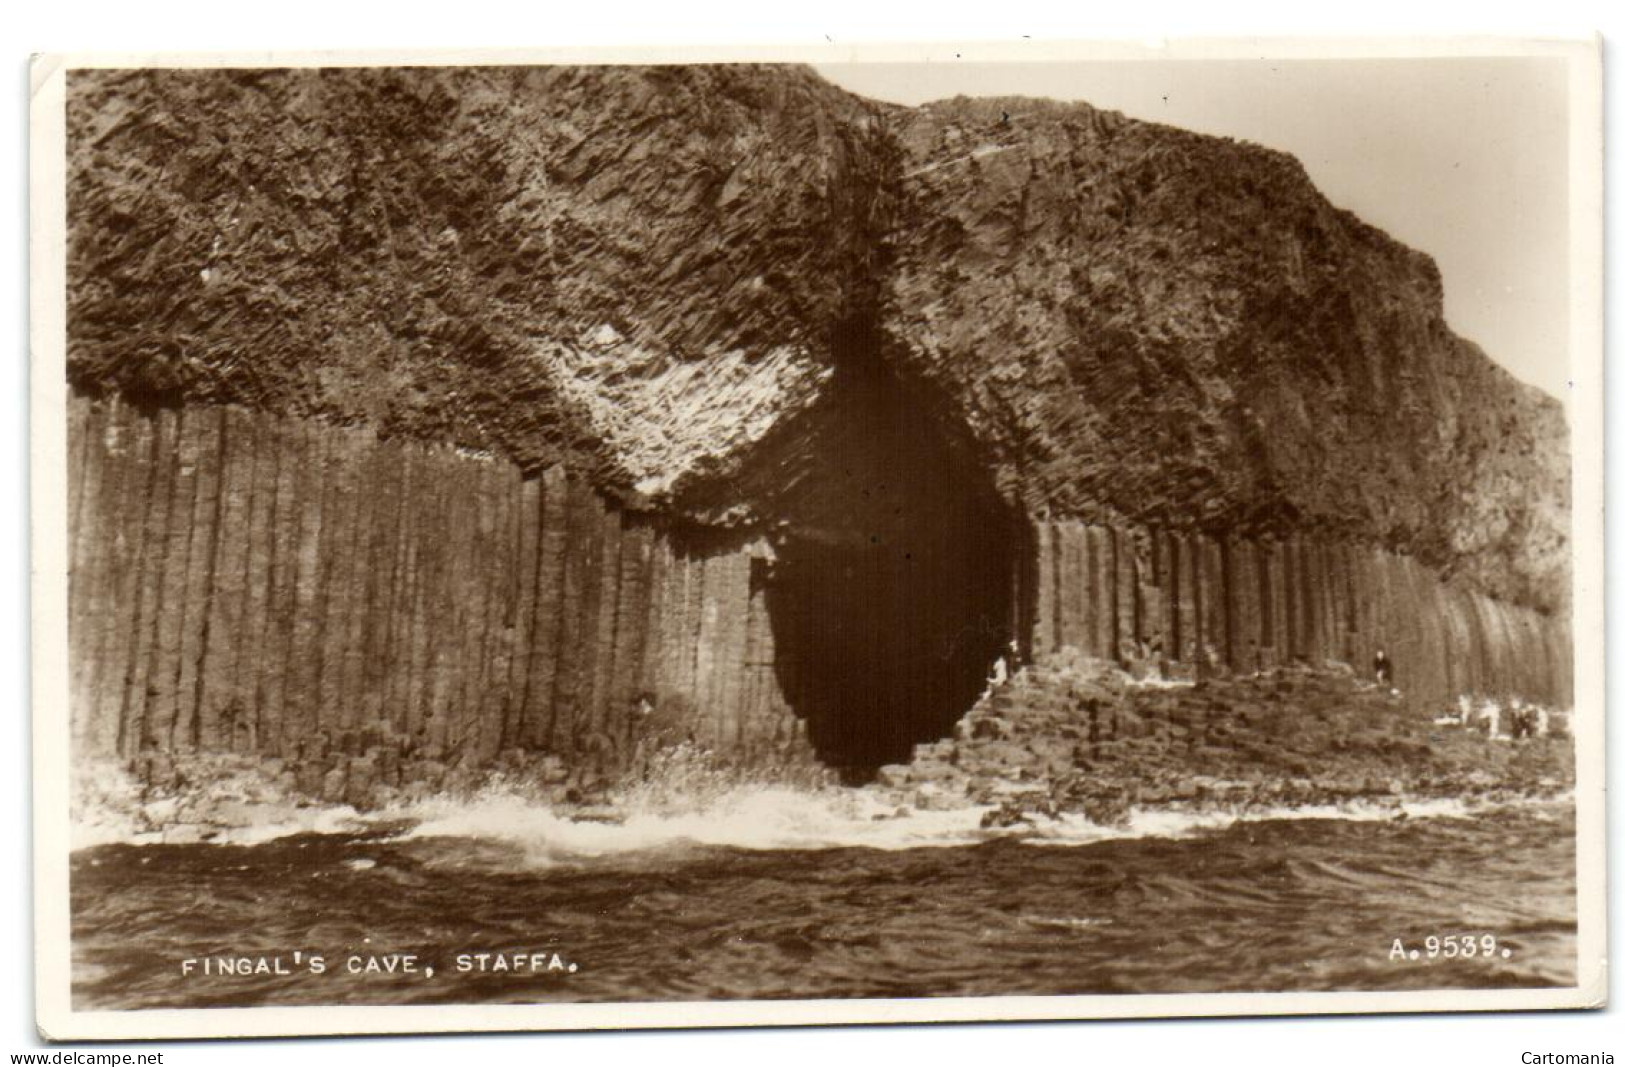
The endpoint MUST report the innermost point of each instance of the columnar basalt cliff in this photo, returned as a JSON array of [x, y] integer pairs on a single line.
[[1183, 604], [244, 583], [428, 416]]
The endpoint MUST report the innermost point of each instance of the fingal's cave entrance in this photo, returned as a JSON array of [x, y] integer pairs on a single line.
[[891, 592]]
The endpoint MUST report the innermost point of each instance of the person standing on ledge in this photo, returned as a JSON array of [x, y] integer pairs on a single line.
[[1384, 669]]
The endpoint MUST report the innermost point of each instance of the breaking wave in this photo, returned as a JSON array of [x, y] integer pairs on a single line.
[[766, 818], [686, 802]]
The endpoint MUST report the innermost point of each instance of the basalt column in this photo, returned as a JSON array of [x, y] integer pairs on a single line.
[[890, 590]]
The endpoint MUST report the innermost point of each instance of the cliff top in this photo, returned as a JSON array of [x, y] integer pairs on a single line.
[[646, 272]]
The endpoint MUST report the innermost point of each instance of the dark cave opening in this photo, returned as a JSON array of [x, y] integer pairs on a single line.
[[891, 594]]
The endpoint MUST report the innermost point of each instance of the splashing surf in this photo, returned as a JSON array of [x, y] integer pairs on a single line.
[[687, 803]]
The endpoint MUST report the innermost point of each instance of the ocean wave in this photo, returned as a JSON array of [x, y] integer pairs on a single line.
[[785, 819], [93, 828], [692, 809]]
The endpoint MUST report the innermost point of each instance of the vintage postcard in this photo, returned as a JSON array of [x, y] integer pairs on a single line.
[[667, 538]]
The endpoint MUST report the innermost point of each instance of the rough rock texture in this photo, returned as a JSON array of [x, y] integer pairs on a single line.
[[1122, 322], [1145, 323], [433, 421], [436, 252], [1074, 736]]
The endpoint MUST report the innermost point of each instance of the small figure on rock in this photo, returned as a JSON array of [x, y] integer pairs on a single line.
[[1383, 668], [1208, 664], [1525, 720]]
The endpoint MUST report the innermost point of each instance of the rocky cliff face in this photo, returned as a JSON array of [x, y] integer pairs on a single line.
[[1141, 322], [433, 420], [381, 613], [642, 273]]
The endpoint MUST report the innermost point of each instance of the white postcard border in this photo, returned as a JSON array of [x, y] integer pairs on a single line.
[[48, 397]]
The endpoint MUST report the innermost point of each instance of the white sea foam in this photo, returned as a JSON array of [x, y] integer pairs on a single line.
[[109, 807], [690, 806], [1173, 823], [768, 818], [111, 827], [751, 817]]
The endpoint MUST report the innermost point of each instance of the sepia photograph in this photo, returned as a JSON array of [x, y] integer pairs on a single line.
[[566, 542]]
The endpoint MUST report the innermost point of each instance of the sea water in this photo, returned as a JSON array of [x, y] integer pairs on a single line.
[[774, 892]]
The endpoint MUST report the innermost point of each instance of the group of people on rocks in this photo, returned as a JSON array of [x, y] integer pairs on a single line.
[[1522, 720]]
